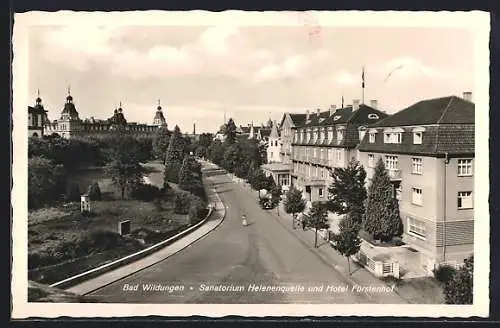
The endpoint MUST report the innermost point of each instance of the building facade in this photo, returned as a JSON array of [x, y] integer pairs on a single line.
[[70, 124], [324, 140], [428, 151], [279, 170], [36, 116]]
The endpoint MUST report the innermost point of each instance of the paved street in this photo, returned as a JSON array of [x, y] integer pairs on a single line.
[[234, 258]]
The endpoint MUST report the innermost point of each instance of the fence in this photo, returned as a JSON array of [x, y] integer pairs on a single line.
[[379, 268]]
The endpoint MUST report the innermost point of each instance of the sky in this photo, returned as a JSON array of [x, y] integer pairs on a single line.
[[250, 73]]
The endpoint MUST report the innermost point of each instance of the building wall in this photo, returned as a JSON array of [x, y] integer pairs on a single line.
[[459, 222], [273, 151]]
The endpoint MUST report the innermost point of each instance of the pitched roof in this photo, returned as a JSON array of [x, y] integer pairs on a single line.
[[449, 128], [298, 119], [444, 110]]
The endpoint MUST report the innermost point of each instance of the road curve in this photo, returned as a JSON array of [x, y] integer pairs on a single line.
[[233, 262]]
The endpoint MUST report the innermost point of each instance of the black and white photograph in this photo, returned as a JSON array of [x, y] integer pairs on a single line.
[[250, 163]]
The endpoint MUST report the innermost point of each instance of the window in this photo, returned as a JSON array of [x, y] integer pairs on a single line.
[[336, 117], [339, 155], [371, 160], [371, 137], [391, 162], [271, 155], [417, 138], [416, 165], [372, 116], [464, 199], [320, 192], [322, 172], [330, 134], [393, 137], [340, 135], [464, 167], [416, 196], [416, 227]]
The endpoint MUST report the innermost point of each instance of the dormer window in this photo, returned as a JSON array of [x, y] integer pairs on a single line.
[[373, 116], [394, 136], [336, 117], [340, 136], [418, 133], [371, 137]]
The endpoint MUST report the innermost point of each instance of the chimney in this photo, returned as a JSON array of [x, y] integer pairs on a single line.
[[373, 103], [194, 128], [467, 96], [317, 111], [307, 114], [333, 108], [355, 104]]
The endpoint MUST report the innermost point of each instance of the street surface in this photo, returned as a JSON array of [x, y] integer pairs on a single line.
[[263, 262]]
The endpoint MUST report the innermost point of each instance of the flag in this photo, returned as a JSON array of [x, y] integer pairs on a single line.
[[363, 78]]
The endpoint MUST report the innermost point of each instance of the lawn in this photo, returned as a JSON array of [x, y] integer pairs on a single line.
[[62, 242], [63, 237]]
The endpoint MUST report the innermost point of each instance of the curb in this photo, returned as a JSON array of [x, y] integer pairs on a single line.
[[68, 282], [74, 280], [150, 265]]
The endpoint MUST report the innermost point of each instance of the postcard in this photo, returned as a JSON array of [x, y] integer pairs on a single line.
[[250, 163]]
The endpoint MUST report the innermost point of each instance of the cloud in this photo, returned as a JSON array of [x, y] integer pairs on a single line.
[[345, 77], [403, 68], [218, 51], [77, 45]]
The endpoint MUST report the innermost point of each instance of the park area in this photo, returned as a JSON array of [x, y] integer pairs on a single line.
[[63, 241]]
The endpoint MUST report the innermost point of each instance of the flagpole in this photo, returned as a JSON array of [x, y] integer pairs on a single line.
[[363, 86]]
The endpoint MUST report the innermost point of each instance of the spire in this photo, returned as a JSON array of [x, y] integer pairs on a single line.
[[159, 104], [69, 98], [274, 131], [120, 107], [38, 99]]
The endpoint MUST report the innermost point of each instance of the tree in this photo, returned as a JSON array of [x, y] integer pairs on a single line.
[[232, 157], [381, 218], [216, 152], [190, 176], [276, 195], [294, 203], [348, 190], [174, 157], [317, 219], [204, 142], [459, 290], [229, 131], [125, 169], [347, 242], [46, 181], [161, 142], [94, 191]]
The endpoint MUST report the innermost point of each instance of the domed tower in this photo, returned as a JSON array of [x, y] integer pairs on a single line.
[[118, 121], [36, 118], [70, 123], [159, 119]]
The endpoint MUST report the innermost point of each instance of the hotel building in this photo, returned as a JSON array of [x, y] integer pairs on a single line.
[[428, 151]]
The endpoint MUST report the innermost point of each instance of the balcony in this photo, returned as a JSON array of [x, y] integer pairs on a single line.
[[394, 174]]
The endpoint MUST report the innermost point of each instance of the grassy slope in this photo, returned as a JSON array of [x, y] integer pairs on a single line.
[[56, 233]]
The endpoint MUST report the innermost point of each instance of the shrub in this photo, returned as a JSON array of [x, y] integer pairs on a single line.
[[197, 209], [182, 200], [145, 192], [444, 273], [94, 191]]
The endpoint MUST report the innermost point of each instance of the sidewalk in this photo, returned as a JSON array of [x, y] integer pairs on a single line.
[[417, 291], [213, 222]]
